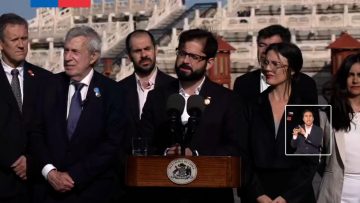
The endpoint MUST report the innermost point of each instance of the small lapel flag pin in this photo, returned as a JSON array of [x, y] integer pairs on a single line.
[[207, 101], [97, 92], [31, 73]]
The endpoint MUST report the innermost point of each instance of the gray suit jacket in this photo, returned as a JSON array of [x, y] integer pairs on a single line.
[[333, 178]]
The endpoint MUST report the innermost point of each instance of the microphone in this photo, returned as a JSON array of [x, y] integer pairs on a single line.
[[195, 107], [174, 108]]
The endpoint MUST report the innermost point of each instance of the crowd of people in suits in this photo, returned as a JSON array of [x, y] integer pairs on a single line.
[[65, 137]]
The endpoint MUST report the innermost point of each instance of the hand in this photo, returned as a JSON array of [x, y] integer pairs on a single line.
[[263, 199], [279, 200], [174, 150], [188, 152], [296, 132], [60, 181], [19, 167], [302, 131]]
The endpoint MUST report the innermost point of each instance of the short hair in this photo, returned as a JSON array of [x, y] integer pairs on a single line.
[[137, 33], [94, 44], [210, 42], [305, 111], [10, 18], [293, 55], [273, 30]]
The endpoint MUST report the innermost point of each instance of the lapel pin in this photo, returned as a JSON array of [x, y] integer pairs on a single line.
[[97, 92], [31, 73], [207, 101]]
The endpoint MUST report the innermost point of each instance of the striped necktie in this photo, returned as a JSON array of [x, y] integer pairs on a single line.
[[15, 86]]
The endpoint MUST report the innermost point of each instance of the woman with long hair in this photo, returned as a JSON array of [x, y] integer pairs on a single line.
[[341, 179]]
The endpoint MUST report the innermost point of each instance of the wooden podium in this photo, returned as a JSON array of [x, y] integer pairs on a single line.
[[212, 171]]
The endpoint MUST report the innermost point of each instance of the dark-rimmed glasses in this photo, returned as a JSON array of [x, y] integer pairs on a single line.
[[274, 65], [192, 57]]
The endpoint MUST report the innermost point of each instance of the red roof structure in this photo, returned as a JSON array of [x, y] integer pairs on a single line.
[[224, 46], [341, 48], [345, 41]]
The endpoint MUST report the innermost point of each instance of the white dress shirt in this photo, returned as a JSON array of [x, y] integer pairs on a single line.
[[263, 84], [143, 91], [185, 116]]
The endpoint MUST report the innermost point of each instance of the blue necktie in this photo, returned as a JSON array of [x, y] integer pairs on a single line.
[[15, 86], [75, 109]]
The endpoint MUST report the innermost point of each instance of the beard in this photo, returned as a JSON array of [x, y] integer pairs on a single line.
[[144, 70], [192, 76]]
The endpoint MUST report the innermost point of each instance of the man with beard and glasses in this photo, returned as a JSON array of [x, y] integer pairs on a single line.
[[218, 130]]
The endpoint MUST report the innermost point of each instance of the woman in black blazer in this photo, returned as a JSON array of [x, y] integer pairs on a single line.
[[273, 175]]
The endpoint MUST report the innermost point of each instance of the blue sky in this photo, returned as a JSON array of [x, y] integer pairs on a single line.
[[22, 7]]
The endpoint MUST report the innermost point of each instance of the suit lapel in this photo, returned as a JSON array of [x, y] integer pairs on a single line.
[[256, 77], [89, 104], [206, 93], [134, 97], [340, 144], [265, 107], [29, 83], [62, 91], [5, 90]]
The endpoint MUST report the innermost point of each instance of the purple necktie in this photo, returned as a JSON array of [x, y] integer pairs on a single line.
[[75, 109]]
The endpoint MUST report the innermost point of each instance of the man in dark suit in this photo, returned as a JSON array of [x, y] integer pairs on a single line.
[[79, 129], [141, 49], [20, 83], [251, 84], [307, 138], [218, 130]]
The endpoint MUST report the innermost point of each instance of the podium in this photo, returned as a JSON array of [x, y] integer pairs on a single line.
[[181, 171]]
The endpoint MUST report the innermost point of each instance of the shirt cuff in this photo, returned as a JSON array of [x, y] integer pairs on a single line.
[[195, 152], [166, 151], [47, 168]]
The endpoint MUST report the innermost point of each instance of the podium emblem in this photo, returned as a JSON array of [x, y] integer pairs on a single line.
[[181, 171]]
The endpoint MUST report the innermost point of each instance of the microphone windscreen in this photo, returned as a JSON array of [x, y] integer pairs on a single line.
[[195, 103], [175, 102]]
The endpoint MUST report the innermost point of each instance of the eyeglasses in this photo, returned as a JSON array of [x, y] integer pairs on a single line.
[[192, 57], [274, 65]]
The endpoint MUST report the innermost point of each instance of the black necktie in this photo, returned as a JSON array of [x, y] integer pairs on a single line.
[[15, 86], [75, 109]]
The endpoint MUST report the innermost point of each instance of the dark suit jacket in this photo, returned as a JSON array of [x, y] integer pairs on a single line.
[[248, 86], [218, 133], [91, 154], [129, 84], [309, 145], [272, 172], [14, 124]]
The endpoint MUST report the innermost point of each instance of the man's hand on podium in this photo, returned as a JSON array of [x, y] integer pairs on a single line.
[[176, 150], [264, 199]]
